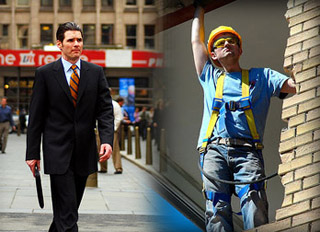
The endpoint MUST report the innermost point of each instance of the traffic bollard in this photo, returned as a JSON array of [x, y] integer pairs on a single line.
[[137, 139], [149, 147], [129, 149]]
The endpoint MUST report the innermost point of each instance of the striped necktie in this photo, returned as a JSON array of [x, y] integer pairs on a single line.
[[74, 84]]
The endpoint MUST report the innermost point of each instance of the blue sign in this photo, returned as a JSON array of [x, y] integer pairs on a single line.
[[127, 92]]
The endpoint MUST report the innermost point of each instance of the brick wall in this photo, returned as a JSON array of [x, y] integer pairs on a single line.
[[300, 142]]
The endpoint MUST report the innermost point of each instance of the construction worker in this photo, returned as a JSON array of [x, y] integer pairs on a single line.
[[236, 104]]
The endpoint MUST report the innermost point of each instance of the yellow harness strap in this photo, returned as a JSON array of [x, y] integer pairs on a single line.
[[248, 111], [215, 112]]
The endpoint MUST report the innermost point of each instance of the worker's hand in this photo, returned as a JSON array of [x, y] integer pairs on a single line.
[[32, 164], [13, 128], [105, 152]]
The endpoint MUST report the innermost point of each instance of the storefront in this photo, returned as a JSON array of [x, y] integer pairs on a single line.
[[17, 68]]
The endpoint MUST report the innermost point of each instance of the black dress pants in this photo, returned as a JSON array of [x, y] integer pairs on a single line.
[[66, 193]]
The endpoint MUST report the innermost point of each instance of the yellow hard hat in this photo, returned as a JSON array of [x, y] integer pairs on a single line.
[[216, 32]]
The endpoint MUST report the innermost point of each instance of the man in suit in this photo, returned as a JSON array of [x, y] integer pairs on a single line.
[[66, 102]]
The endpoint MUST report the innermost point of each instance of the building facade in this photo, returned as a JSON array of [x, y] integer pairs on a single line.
[[126, 25]]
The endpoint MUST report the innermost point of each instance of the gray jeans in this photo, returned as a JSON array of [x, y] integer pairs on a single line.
[[238, 164]]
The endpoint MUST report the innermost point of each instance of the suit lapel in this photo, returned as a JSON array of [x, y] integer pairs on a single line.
[[84, 77], [61, 78]]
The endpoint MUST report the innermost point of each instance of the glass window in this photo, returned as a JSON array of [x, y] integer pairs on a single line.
[[131, 2], [149, 36], [46, 34], [106, 34], [22, 36], [3, 2], [89, 34], [65, 3], [106, 3], [90, 3], [149, 2], [131, 36], [46, 3], [4, 36], [5, 30], [23, 2]]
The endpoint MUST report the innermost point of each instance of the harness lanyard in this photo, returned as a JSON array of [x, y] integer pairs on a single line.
[[218, 102]]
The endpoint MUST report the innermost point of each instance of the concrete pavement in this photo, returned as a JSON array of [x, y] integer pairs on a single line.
[[125, 202]]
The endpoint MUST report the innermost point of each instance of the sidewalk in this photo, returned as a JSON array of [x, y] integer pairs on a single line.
[[125, 202]]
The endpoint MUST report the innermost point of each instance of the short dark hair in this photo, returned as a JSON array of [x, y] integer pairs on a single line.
[[68, 26]]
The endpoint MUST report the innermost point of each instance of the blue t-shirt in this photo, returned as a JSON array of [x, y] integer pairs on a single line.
[[264, 83]]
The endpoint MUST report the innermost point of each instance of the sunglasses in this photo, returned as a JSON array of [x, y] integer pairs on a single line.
[[220, 42]]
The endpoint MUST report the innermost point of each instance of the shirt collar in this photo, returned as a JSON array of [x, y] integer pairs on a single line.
[[67, 65]]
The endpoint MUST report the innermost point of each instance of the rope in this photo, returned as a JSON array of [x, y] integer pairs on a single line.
[[213, 179]]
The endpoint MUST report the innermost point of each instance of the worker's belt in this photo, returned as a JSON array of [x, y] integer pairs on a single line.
[[236, 142]]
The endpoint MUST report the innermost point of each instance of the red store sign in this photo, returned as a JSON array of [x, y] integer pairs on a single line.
[[35, 58]]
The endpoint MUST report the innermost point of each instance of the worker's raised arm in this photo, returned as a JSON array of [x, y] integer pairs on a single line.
[[200, 53]]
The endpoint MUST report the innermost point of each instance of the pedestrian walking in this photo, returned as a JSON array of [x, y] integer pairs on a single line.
[[69, 95], [6, 121]]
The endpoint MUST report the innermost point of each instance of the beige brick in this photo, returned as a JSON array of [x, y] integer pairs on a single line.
[[296, 120], [287, 200], [305, 75], [307, 171], [311, 4], [287, 145], [288, 134], [316, 156], [289, 112], [313, 114], [298, 2], [275, 226], [315, 203], [310, 43], [303, 17], [315, 225], [309, 105], [301, 56], [316, 135], [300, 228], [307, 149], [304, 139], [295, 142], [293, 187], [298, 98], [294, 164], [302, 36], [296, 29], [314, 52], [288, 61], [318, 92], [310, 84], [311, 181], [308, 126], [286, 157], [292, 210], [306, 217], [312, 62], [293, 11], [293, 49]]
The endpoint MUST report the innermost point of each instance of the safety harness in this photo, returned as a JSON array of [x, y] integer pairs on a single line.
[[243, 104]]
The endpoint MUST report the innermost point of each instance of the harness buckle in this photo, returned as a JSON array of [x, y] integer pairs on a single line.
[[258, 145], [232, 105]]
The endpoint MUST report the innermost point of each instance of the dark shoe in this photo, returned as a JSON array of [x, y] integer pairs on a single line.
[[118, 172], [3, 152], [102, 171]]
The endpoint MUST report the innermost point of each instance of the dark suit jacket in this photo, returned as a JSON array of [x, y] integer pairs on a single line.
[[68, 132]]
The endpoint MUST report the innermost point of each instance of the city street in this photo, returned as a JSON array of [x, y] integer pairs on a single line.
[[125, 202]]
